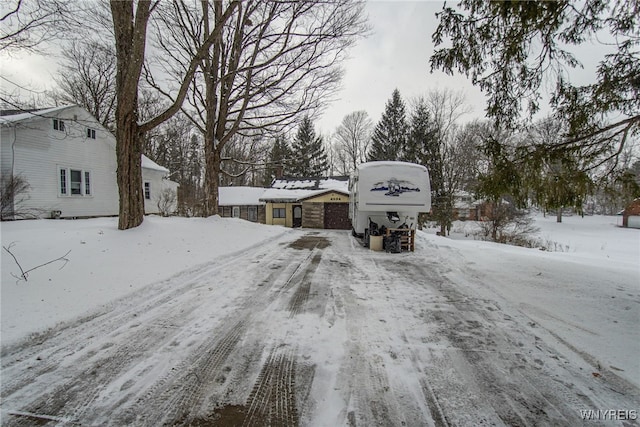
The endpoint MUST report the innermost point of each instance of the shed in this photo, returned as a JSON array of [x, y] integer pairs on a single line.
[[631, 215]]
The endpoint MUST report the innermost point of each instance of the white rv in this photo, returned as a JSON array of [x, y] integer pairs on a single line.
[[389, 194]]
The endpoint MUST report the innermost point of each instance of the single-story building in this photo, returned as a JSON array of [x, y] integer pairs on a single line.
[[631, 215], [242, 202], [308, 203]]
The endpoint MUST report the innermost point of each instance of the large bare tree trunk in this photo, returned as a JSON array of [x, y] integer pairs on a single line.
[[211, 180], [130, 36], [130, 32], [129, 174]]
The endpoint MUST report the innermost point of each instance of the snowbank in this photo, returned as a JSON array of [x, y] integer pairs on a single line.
[[104, 263]]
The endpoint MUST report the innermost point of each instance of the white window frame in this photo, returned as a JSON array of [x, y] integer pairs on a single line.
[[58, 124], [76, 185], [63, 188], [63, 180], [279, 211], [91, 133], [86, 175], [147, 190], [235, 211]]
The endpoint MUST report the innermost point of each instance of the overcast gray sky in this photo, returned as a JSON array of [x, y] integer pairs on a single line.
[[395, 55]]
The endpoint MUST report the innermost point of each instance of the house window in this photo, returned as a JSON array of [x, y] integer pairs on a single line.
[[87, 183], [235, 212], [63, 182], [74, 182], [147, 190], [58, 125], [279, 213], [91, 133], [252, 213]]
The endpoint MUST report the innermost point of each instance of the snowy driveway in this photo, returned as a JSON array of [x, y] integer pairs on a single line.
[[310, 329]]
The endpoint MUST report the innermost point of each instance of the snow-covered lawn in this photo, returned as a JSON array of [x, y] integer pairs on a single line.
[[461, 331], [586, 292], [104, 263]]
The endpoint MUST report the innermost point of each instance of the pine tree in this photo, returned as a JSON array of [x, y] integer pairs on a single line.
[[422, 145], [309, 158], [425, 147], [279, 157], [390, 134]]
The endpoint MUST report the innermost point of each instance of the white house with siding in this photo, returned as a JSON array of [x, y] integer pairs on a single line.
[[69, 161]]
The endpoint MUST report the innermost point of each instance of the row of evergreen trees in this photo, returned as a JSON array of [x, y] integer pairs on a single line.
[[305, 157], [475, 157], [394, 138]]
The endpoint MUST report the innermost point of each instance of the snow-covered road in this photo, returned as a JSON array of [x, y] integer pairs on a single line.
[[311, 329]]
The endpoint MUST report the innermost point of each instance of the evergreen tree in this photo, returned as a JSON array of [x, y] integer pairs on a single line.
[[515, 51], [279, 157], [309, 157], [424, 147], [422, 144], [390, 134]]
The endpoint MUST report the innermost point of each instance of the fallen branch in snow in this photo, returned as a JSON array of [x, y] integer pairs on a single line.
[[25, 273]]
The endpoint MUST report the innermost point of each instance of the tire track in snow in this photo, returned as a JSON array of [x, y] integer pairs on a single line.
[[273, 398], [98, 367], [370, 396], [485, 357], [301, 295], [193, 379]]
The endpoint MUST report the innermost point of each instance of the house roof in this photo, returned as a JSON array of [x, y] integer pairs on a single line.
[[14, 116], [290, 190], [312, 183], [279, 195], [240, 196], [10, 117], [150, 164]]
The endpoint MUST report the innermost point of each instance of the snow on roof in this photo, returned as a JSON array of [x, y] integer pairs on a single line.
[[330, 183], [14, 118], [283, 195], [374, 164], [240, 196], [147, 163]]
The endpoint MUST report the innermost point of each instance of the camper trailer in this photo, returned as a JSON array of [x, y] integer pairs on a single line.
[[387, 195]]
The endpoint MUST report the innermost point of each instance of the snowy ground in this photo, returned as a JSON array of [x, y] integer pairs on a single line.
[[188, 320]]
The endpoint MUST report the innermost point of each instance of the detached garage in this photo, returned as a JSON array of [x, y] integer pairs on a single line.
[[329, 210], [308, 202]]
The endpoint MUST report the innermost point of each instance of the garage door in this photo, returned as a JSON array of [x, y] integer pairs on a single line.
[[336, 216]]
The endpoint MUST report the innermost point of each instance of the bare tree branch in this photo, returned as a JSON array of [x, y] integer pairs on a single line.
[[24, 274]]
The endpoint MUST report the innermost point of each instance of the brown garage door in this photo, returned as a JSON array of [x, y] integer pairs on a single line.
[[336, 216]]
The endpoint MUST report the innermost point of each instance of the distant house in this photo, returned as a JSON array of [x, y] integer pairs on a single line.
[[242, 202], [631, 215], [69, 161], [467, 208], [308, 202]]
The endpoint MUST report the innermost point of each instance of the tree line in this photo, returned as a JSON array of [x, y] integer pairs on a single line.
[[225, 93]]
